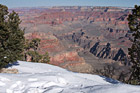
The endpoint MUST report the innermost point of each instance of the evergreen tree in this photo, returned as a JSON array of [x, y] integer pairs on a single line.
[[35, 56], [31, 47], [34, 44], [11, 37], [134, 51], [45, 58], [26, 49]]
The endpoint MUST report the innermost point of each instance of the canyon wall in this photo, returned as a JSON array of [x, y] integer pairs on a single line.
[[67, 32]]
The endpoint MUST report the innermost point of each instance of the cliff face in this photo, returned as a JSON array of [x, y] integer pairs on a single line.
[[106, 45], [65, 32], [106, 51]]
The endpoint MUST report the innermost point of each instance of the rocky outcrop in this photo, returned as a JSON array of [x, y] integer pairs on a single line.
[[120, 55], [10, 71], [106, 51]]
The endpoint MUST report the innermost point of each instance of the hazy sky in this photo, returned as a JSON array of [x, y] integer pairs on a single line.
[[36, 3]]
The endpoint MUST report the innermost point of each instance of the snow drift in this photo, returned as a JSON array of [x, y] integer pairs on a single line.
[[44, 78]]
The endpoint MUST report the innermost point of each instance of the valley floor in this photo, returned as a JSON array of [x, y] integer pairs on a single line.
[[44, 78]]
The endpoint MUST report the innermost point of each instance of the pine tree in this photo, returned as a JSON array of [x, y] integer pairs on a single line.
[[134, 51], [35, 56], [11, 37], [31, 47], [45, 58], [34, 44]]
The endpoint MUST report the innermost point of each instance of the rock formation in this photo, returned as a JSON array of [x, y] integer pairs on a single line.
[[67, 31], [106, 51]]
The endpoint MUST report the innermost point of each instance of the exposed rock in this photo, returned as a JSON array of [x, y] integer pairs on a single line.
[[120, 55], [10, 71], [106, 51]]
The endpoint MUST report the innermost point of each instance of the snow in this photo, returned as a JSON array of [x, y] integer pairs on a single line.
[[45, 78]]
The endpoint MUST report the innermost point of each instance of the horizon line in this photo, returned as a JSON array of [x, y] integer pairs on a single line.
[[68, 6]]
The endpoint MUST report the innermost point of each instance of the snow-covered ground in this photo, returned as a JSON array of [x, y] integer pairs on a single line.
[[44, 78]]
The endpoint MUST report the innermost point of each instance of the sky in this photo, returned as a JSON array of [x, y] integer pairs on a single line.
[[37, 3]]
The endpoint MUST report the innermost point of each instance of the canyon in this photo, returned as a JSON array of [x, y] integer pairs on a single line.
[[79, 38]]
